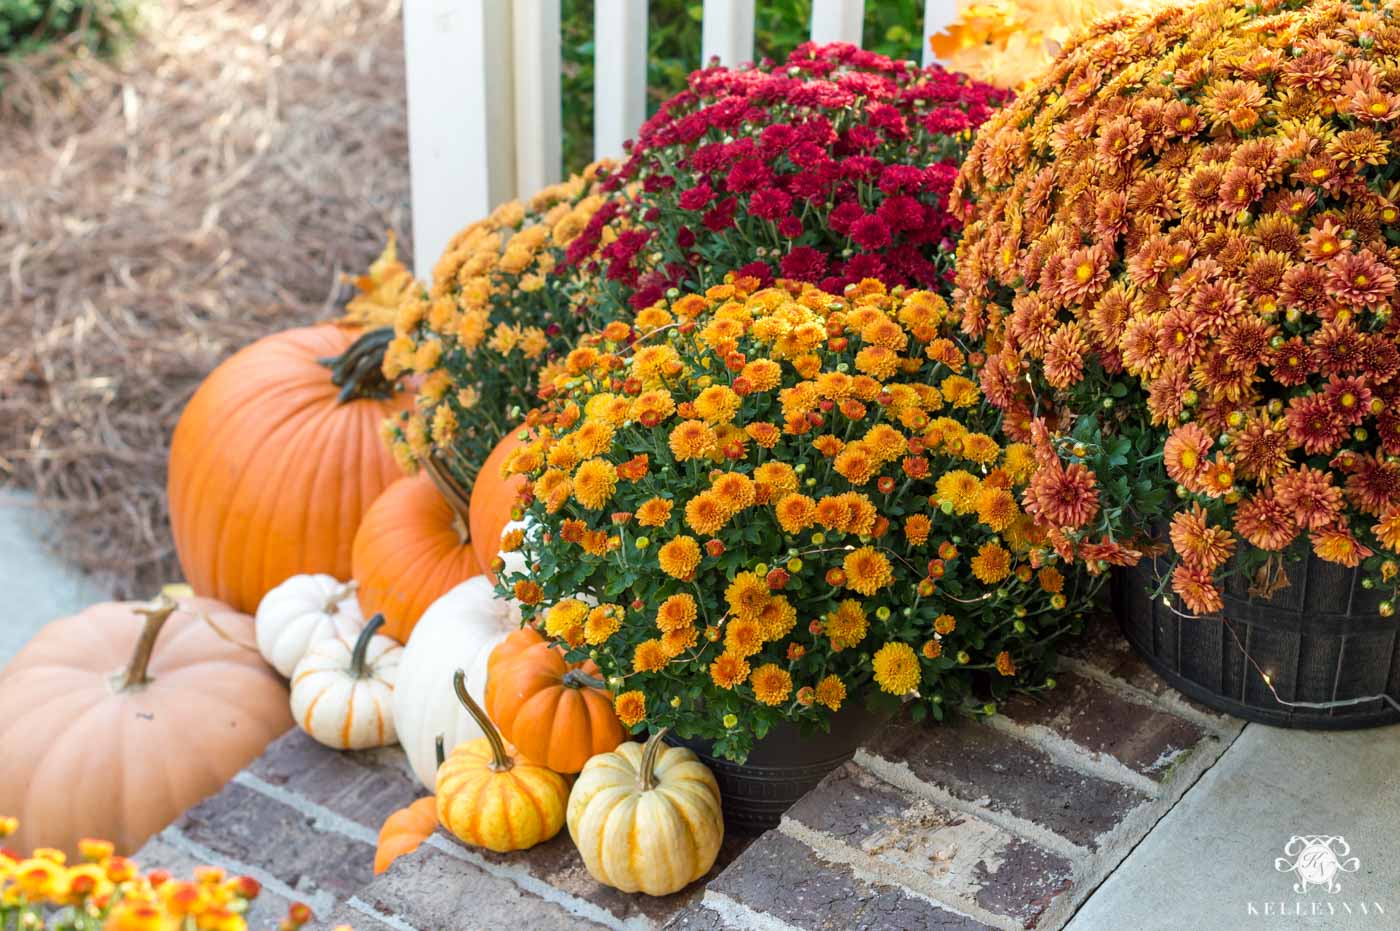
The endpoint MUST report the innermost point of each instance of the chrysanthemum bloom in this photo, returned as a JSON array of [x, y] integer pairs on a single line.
[[748, 566], [1180, 244], [832, 147], [897, 668], [631, 707]]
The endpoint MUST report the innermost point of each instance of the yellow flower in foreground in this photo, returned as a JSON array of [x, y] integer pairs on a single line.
[[897, 668], [594, 483], [992, 563], [679, 557], [867, 570]]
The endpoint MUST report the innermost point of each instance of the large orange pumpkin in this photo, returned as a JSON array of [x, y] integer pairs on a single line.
[[493, 497], [94, 748], [557, 714], [276, 459], [412, 548]]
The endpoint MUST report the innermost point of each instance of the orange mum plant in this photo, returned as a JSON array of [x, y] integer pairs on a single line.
[[105, 892], [754, 506], [491, 327], [1182, 259]]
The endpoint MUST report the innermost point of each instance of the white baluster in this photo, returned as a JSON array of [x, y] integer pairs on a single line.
[[460, 133], [619, 72], [838, 20], [539, 121], [727, 32]]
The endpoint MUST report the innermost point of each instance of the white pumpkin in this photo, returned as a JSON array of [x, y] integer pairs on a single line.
[[343, 689], [301, 611], [458, 631]]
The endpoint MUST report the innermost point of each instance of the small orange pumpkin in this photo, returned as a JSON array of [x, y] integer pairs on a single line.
[[489, 798], [493, 499], [412, 548], [556, 713], [405, 830]]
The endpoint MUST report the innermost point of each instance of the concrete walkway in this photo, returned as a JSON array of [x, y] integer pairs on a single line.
[[1211, 862], [37, 587]]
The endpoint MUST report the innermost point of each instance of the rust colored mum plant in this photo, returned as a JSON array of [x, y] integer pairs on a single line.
[[1182, 259], [759, 505], [494, 323], [831, 167], [104, 892]]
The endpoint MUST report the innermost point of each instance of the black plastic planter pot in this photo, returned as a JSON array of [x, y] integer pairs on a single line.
[[1320, 640], [783, 767]]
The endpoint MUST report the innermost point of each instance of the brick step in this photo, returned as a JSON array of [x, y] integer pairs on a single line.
[[1006, 824]]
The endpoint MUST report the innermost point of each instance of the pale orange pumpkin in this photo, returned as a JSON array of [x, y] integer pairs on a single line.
[[276, 459], [492, 501], [489, 797], [97, 749], [556, 713], [412, 548]]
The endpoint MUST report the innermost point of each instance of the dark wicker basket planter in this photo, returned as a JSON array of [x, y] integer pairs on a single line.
[[783, 767], [1321, 639]]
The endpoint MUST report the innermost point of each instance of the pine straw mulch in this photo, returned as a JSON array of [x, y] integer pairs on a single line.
[[157, 213]]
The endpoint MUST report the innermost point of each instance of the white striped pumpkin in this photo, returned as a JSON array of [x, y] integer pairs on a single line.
[[343, 689]]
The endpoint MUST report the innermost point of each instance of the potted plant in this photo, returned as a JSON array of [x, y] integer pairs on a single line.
[[769, 515], [830, 167], [1181, 259]]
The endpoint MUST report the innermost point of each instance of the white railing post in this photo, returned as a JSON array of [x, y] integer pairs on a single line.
[[539, 121], [838, 20], [460, 119], [619, 73], [937, 15], [726, 32]]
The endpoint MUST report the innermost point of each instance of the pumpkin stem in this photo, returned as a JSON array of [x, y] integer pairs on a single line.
[[340, 594], [500, 759], [359, 371], [135, 673], [439, 751], [456, 496], [357, 656], [576, 678], [646, 775]]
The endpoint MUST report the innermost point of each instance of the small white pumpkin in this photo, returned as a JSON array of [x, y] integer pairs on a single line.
[[343, 689], [301, 611], [458, 631], [646, 819]]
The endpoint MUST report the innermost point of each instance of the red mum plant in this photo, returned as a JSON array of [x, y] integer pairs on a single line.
[[830, 168], [1183, 263]]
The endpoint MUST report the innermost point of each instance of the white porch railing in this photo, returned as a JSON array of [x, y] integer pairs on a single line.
[[484, 115]]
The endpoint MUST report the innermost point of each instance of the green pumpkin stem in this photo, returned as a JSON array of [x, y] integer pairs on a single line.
[[457, 497], [500, 759], [646, 774], [136, 674], [439, 751], [576, 678], [357, 656], [359, 371]]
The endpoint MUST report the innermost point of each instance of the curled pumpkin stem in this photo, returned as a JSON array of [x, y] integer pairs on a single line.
[[357, 656], [646, 773], [136, 672], [453, 493], [359, 371], [500, 759]]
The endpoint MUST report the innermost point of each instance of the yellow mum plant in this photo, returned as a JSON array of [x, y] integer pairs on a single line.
[[105, 892], [757, 505], [491, 328]]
